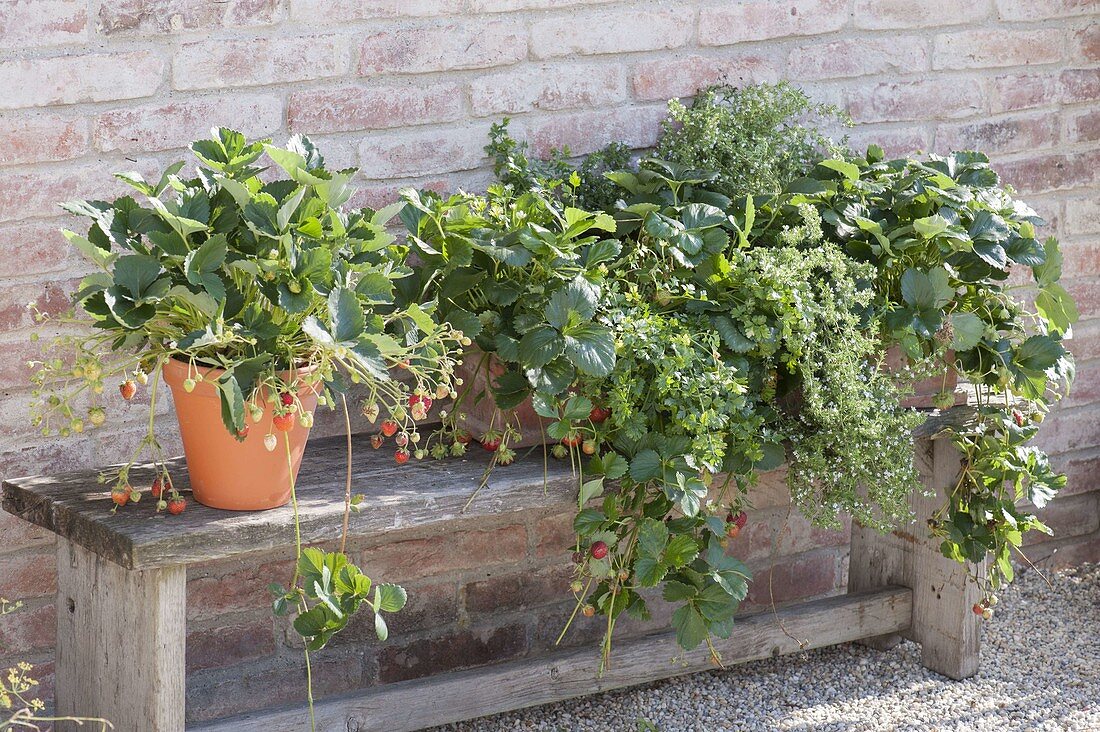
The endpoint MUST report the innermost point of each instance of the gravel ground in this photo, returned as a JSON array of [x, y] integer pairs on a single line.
[[1040, 670]]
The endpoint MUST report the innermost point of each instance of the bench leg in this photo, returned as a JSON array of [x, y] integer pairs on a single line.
[[120, 642], [949, 633]]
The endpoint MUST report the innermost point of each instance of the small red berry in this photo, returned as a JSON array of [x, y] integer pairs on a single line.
[[283, 422], [732, 531], [740, 519], [572, 439], [599, 550], [120, 495], [977, 609], [389, 427], [286, 398], [415, 399], [376, 441], [462, 437], [401, 457], [243, 432], [490, 441], [402, 439], [127, 389], [1019, 417], [599, 414], [176, 506], [160, 486]]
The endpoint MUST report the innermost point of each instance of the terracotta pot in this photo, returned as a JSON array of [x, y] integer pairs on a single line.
[[225, 473], [926, 389], [479, 416]]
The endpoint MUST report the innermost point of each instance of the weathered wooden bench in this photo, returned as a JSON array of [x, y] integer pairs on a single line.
[[122, 592]]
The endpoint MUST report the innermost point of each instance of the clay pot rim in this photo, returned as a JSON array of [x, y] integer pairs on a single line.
[[180, 370]]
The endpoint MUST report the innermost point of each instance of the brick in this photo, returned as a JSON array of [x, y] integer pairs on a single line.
[[351, 108], [519, 591], [1082, 126], [1068, 431], [36, 248], [547, 87], [1014, 134], [258, 61], [95, 77], [1082, 259], [681, 76], [55, 456], [29, 574], [888, 14], [217, 693], [554, 536], [51, 298], [429, 608], [858, 57], [152, 17], [29, 629], [1050, 172], [37, 192], [1087, 43], [337, 11], [585, 132], [794, 578], [1068, 517], [894, 141], [233, 586], [1080, 85], [1012, 92], [1082, 473], [42, 138], [915, 100], [40, 23], [634, 30], [1043, 9], [463, 649], [230, 642], [1083, 215], [20, 534], [504, 6], [775, 533], [442, 46], [758, 20], [438, 555], [547, 624], [422, 152], [979, 49], [176, 124]]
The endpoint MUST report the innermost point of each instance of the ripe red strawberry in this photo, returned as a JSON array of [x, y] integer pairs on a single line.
[[376, 441], [740, 519], [176, 506], [415, 399], [283, 422], [599, 550], [286, 398], [572, 439], [491, 441], [120, 495], [599, 414], [127, 389], [402, 439], [1016, 415], [401, 457], [389, 427], [588, 447], [160, 486], [977, 609], [462, 436], [243, 432]]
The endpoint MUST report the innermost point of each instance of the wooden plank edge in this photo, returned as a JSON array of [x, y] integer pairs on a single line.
[[461, 695]]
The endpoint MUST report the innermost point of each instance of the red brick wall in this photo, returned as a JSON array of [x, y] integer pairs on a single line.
[[407, 90]]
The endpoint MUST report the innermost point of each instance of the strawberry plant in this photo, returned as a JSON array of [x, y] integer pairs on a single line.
[[273, 283]]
